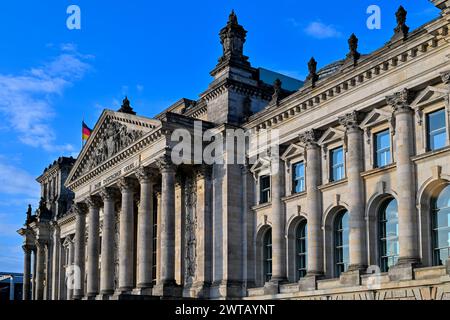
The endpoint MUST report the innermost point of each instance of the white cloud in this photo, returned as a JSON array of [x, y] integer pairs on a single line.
[[320, 30], [26, 99], [15, 181]]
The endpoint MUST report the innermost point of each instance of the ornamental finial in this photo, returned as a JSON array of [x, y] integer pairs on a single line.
[[126, 107]]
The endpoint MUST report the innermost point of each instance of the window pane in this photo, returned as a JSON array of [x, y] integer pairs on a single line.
[[342, 232], [437, 134], [383, 148], [298, 177], [441, 226], [264, 189], [388, 234], [337, 164]]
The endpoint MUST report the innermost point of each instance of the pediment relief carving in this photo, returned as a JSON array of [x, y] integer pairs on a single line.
[[375, 117], [292, 151], [112, 134], [114, 138], [331, 135]]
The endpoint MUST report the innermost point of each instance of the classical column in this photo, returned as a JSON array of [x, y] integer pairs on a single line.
[[145, 230], [406, 187], [201, 267], [278, 222], [94, 205], [62, 276], [40, 260], [167, 277], [80, 244], [55, 260], [355, 165], [69, 267], [107, 266], [126, 242], [313, 204], [26, 273], [33, 279]]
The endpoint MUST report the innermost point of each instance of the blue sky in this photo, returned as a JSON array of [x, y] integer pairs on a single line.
[[156, 52]]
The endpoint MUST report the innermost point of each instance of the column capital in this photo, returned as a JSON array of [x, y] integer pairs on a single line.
[[80, 208], [203, 172], [145, 174], [351, 121], [310, 138], [400, 101], [108, 194], [27, 248], [165, 164], [127, 184], [93, 202]]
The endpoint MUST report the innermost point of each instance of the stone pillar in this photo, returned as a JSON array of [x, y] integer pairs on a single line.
[[33, 279], [94, 204], [62, 295], [202, 269], [26, 273], [355, 165], [145, 232], [107, 266], [79, 255], [126, 237], [278, 222], [55, 260], [314, 206], [40, 260], [406, 185], [167, 277], [69, 267]]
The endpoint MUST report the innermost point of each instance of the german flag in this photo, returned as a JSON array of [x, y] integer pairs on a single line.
[[86, 131]]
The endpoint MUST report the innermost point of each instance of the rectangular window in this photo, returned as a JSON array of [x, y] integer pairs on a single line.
[[298, 177], [264, 185], [382, 149], [337, 164], [436, 130]]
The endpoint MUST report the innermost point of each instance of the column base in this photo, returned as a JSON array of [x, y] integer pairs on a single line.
[[147, 291], [228, 289], [103, 297], [273, 286], [404, 269], [197, 290], [309, 282], [167, 290], [351, 278], [90, 297]]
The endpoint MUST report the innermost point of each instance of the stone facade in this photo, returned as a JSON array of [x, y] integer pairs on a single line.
[[136, 225]]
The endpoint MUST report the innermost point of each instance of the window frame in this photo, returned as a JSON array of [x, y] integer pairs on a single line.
[[428, 133], [265, 190], [301, 256], [376, 150], [295, 179], [338, 219], [340, 165], [435, 229], [267, 255], [383, 238]]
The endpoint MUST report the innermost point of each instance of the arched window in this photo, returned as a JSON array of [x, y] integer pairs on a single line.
[[267, 255], [301, 261], [341, 242], [440, 207], [388, 234]]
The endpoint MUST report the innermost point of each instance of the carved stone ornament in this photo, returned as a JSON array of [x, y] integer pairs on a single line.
[[353, 47], [127, 184], [80, 208], [108, 194], [351, 120], [191, 229], [276, 91], [312, 67], [94, 202], [165, 163], [445, 76], [144, 174], [114, 138], [309, 138], [401, 30], [400, 101]]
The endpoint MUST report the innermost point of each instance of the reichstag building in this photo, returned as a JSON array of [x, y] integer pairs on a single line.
[[359, 207]]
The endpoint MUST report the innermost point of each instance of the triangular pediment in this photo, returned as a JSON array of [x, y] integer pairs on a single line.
[[291, 151], [428, 96], [375, 117], [331, 135], [261, 164], [113, 133]]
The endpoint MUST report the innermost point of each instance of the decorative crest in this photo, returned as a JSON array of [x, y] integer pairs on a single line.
[[353, 47], [312, 67], [126, 107], [401, 30]]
